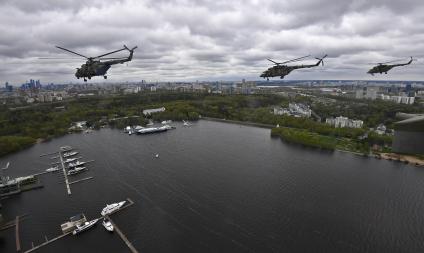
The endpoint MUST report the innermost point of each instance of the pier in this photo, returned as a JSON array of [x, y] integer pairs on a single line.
[[123, 237], [119, 232], [46, 242], [81, 180], [65, 174]]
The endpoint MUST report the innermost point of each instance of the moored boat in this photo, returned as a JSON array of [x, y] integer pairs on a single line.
[[107, 224], [70, 160], [52, 169], [68, 154], [76, 170], [150, 130], [112, 208], [75, 164], [85, 226]]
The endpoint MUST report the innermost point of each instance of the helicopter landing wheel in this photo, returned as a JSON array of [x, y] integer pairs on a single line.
[[77, 77], [105, 77], [85, 80], [89, 77]]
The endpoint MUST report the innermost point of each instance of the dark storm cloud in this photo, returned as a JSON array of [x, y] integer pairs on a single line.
[[202, 39]]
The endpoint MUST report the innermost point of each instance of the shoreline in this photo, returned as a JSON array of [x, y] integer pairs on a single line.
[[407, 159], [237, 122]]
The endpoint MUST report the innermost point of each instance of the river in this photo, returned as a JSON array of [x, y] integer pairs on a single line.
[[219, 187]]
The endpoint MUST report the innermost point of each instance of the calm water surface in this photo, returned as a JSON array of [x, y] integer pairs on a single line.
[[220, 187]]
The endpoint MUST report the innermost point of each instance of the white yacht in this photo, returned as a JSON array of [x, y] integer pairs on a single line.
[[112, 208], [107, 224], [85, 226], [76, 170], [68, 160], [150, 130], [68, 154], [52, 169], [75, 164]]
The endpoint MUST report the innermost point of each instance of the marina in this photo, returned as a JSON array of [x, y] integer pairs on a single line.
[[195, 196]]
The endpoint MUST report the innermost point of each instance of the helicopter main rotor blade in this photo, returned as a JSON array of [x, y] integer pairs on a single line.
[[119, 50], [273, 61], [297, 59], [72, 52], [113, 58], [58, 58], [392, 61]]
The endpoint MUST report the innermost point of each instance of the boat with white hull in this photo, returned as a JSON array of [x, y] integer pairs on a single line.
[[107, 224], [52, 169], [85, 226], [112, 208], [76, 170], [69, 154], [70, 160], [75, 164], [150, 130]]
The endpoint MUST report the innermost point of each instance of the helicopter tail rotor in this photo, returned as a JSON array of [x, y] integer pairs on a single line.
[[132, 49], [321, 60]]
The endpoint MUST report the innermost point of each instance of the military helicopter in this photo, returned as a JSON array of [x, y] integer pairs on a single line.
[[96, 67], [384, 67], [282, 70]]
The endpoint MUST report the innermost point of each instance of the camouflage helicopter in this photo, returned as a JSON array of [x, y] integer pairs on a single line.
[[384, 67], [282, 70], [96, 67]]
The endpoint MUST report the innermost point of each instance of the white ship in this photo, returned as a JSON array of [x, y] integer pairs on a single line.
[[68, 154], [52, 169], [70, 160], [112, 208], [107, 224], [75, 164], [149, 130], [85, 226], [76, 170]]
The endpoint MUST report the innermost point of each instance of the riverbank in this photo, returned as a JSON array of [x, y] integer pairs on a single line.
[[402, 158], [246, 123]]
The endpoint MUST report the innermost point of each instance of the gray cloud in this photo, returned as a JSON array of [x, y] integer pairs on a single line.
[[189, 40]]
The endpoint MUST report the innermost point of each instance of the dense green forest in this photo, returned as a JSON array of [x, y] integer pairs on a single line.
[[20, 128]]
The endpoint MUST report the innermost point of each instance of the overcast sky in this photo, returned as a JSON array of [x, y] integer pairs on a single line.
[[210, 40]]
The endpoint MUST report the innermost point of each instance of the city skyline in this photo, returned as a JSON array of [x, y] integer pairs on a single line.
[[199, 40]]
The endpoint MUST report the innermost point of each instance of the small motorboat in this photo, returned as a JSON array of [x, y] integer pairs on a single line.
[[107, 224], [52, 169], [157, 155], [76, 170]]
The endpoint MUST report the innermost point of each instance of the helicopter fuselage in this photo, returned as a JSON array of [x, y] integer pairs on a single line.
[[98, 66], [279, 70], [384, 68], [283, 70], [93, 68], [380, 69]]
